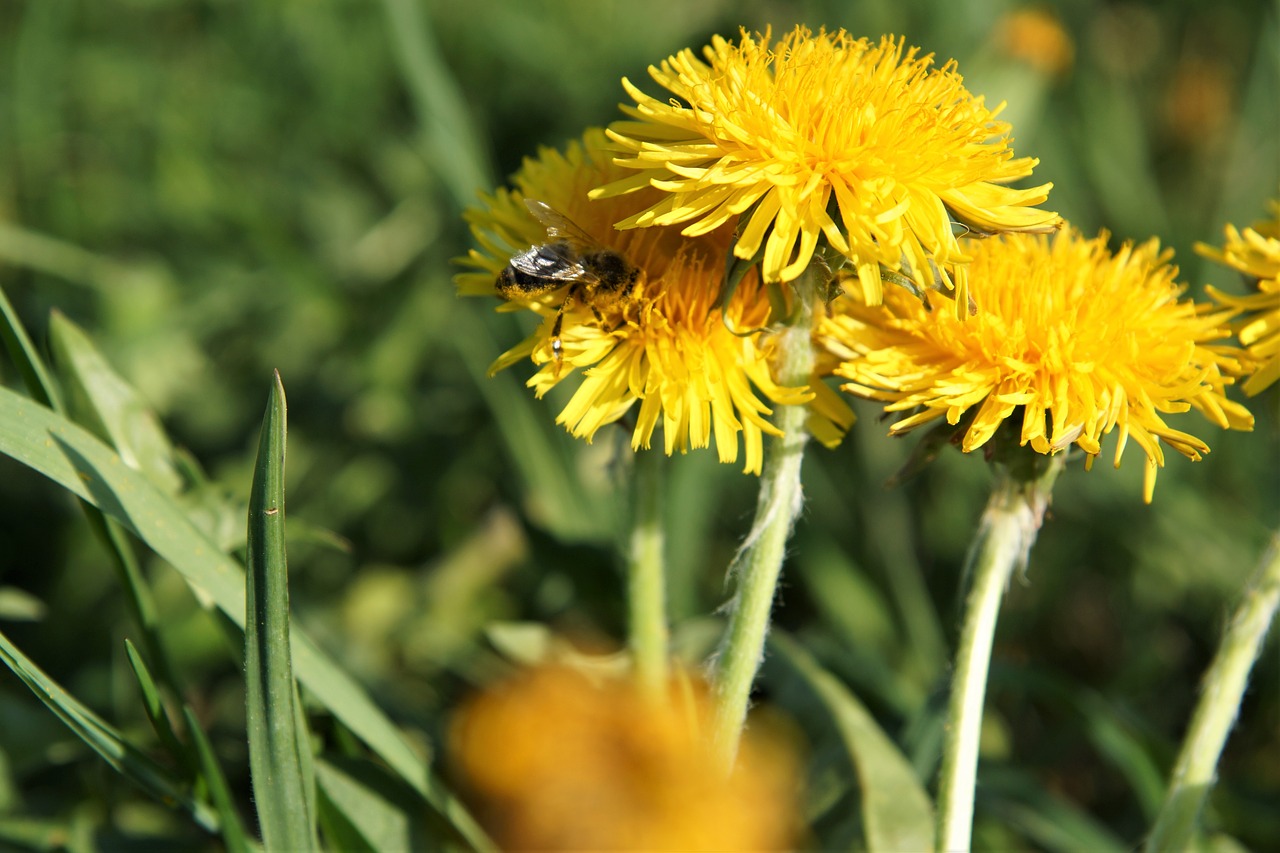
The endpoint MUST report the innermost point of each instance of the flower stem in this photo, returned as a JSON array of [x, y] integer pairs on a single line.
[[1224, 684], [646, 581], [759, 560], [1003, 543]]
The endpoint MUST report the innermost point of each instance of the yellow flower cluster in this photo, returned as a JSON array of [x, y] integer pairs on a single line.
[[1072, 340], [1255, 252], [787, 135], [859, 162], [559, 762], [698, 368], [780, 155]]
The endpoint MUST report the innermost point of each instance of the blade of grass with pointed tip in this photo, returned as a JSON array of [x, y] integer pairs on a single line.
[[234, 837], [41, 384], [896, 811], [79, 462], [23, 352], [154, 707], [279, 784], [102, 738]]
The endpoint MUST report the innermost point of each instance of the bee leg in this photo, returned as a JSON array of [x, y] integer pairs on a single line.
[[557, 348]]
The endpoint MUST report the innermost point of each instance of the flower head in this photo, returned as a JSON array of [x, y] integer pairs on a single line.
[[1070, 339], [567, 764], [697, 368], [826, 136], [1255, 252]]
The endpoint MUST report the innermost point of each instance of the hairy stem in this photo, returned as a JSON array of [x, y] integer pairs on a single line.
[[1223, 688], [759, 561], [1003, 543], [647, 597]]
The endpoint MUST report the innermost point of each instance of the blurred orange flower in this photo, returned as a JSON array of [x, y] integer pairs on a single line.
[[562, 762], [1036, 37]]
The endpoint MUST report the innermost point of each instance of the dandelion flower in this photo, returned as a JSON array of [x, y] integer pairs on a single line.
[[1255, 252], [1072, 340], [825, 136], [666, 350], [562, 763]]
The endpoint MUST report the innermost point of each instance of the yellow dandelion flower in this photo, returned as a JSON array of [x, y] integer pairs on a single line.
[[1255, 252], [695, 368], [1070, 339], [825, 136], [561, 763]]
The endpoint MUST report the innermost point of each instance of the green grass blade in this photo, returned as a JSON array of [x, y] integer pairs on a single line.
[[154, 707], [1021, 803], [363, 809], [539, 450], [1116, 739], [141, 602], [35, 375], [44, 388], [275, 741], [23, 247], [104, 401], [442, 108], [896, 811], [82, 464], [102, 738], [234, 837]]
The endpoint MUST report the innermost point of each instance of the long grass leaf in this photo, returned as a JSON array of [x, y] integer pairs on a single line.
[[279, 786], [102, 400], [896, 811], [441, 106], [153, 705], [35, 375], [102, 738], [540, 452], [45, 388], [78, 461], [1020, 802], [234, 837], [363, 809]]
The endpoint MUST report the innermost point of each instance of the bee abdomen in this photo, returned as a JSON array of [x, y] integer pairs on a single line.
[[512, 280]]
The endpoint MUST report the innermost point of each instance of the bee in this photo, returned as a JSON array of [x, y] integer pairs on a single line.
[[596, 276]]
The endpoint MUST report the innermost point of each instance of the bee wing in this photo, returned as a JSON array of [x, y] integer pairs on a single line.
[[559, 226], [554, 261]]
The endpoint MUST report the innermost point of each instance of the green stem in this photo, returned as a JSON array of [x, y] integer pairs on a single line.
[[1003, 543], [759, 561], [1224, 685], [647, 596]]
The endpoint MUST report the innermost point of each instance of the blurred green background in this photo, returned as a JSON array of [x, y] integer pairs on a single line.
[[215, 189]]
